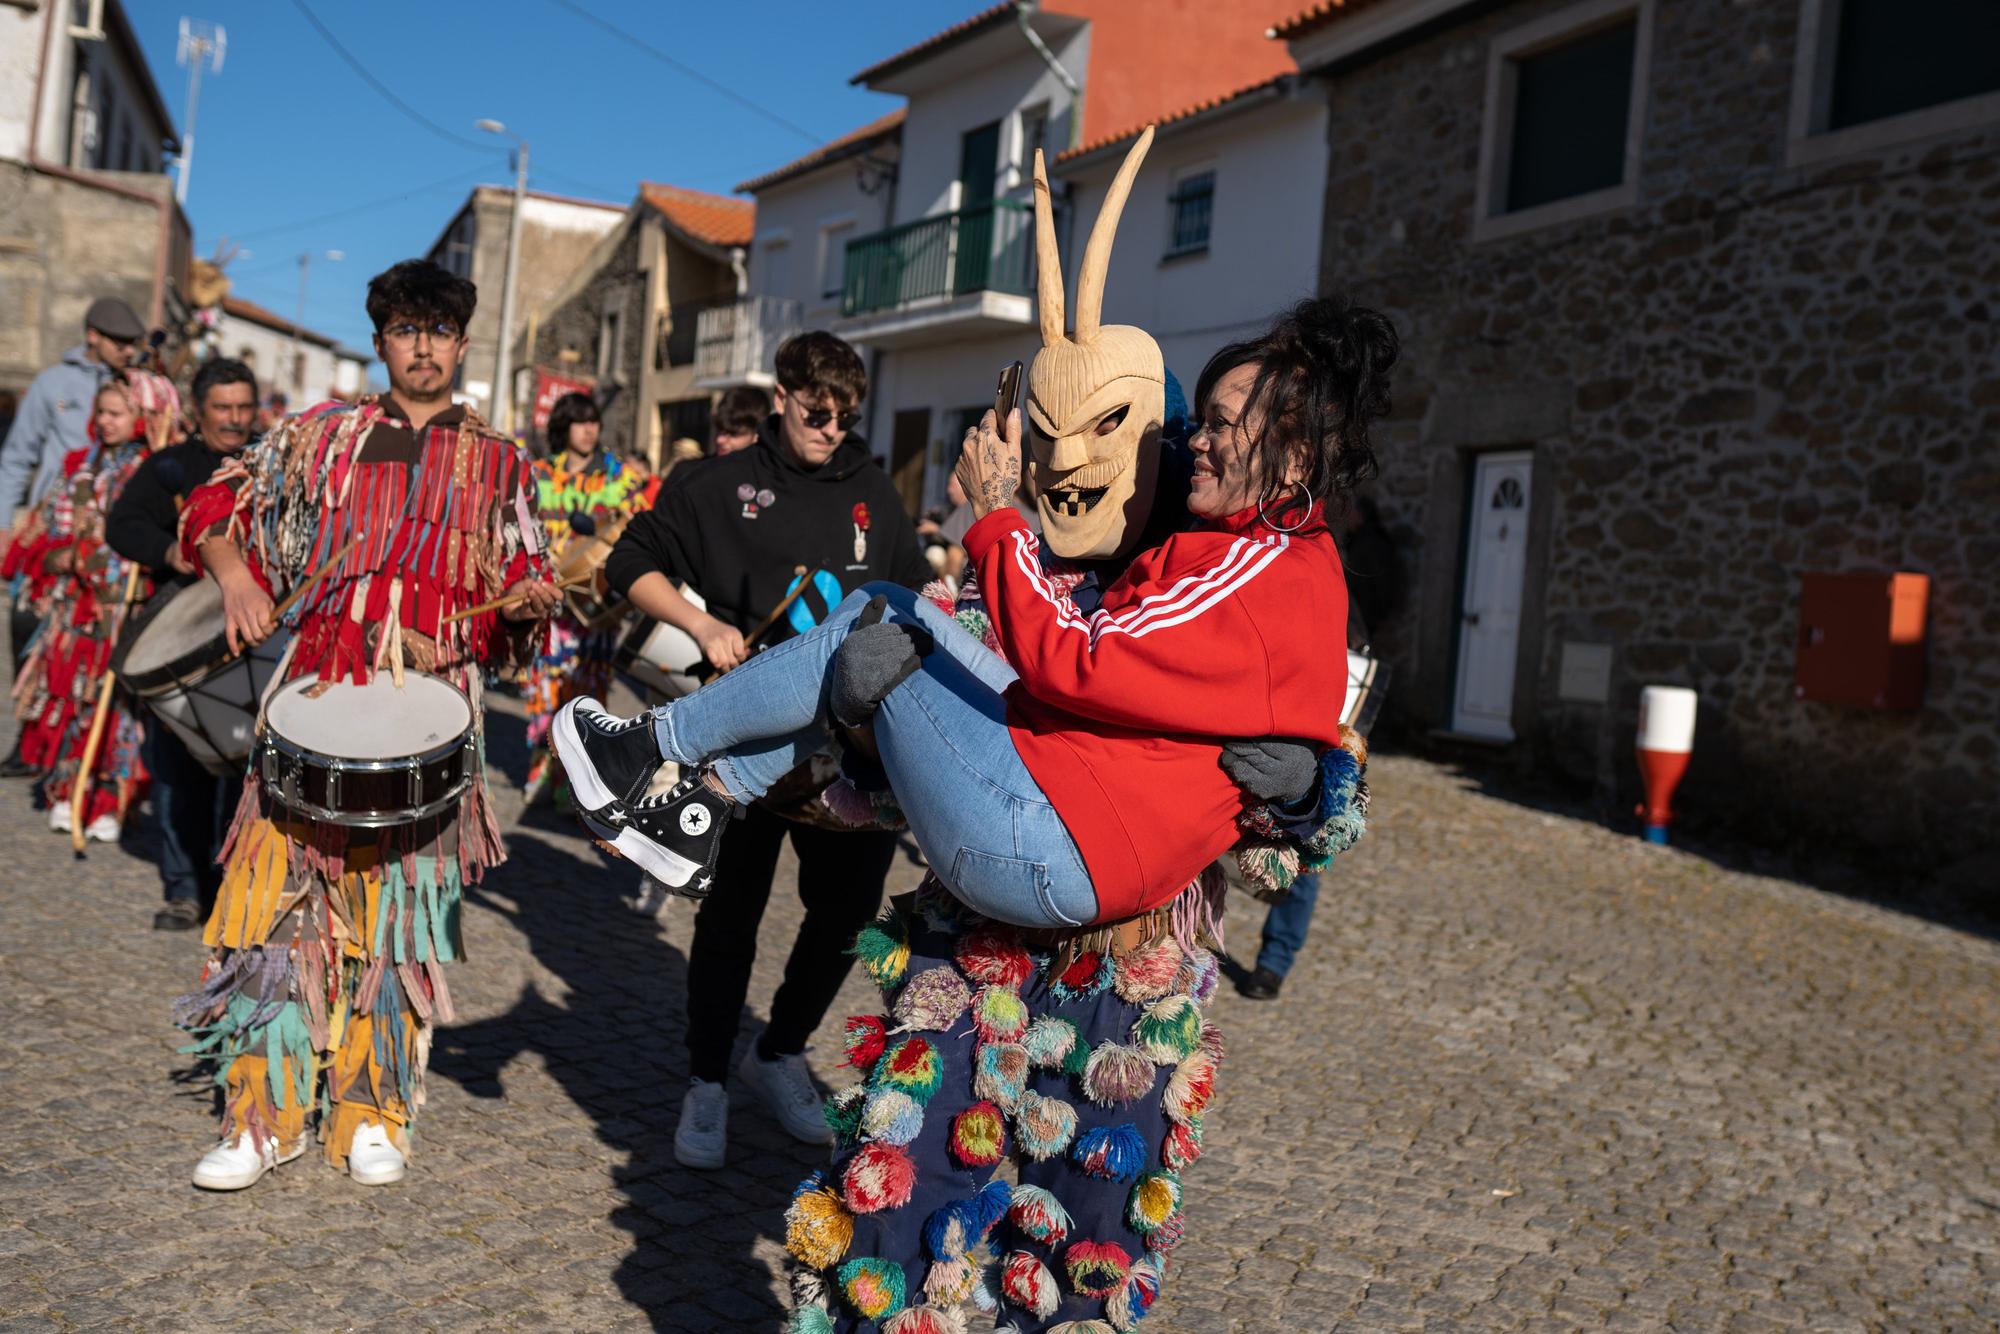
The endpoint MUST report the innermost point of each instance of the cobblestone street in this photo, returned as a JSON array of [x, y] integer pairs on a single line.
[[1529, 1074]]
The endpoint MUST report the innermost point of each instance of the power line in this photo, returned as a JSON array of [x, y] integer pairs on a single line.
[[642, 45], [369, 207], [387, 93]]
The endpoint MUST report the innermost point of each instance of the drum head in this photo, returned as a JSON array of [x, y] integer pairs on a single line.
[[372, 722], [181, 631]]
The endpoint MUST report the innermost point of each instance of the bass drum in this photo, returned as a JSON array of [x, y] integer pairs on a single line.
[[660, 660], [175, 656]]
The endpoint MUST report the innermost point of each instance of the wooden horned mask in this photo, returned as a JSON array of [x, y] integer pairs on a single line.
[[1096, 397]]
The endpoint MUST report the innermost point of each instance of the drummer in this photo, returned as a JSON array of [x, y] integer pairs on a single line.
[[805, 492], [578, 477], [325, 981], [191, 806]]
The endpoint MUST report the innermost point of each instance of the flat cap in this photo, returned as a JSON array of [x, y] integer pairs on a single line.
[[108, 315]]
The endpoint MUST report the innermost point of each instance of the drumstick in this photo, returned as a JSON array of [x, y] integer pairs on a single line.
[[510, 599], [278, 612], [79, 794], [798, 573]]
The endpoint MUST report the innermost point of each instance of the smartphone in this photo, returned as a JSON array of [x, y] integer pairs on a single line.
[[1007, 396]]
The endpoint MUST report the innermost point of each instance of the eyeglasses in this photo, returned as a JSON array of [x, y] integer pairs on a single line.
[[817, 418], [406, 334]]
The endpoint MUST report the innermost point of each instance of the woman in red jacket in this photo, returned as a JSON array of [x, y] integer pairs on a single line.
[[1078, 781]]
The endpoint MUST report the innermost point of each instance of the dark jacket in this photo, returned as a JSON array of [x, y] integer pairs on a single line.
[[737, 528], [144, 520]]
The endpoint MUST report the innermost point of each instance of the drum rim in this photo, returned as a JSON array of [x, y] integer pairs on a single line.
[[465, 744], [196, 662], [463, 737], [373, 819]]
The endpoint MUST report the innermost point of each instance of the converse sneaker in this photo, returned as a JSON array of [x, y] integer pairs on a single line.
[[236, 1164], [787, 1087], [609, 760], [703, 1133], [674, 836]]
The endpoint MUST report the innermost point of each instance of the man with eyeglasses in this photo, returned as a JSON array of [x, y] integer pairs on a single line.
[[806, 493], [52, 421]]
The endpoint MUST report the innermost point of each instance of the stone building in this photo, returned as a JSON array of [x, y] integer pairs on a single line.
[[626, 318], [86, 209], [557, 232], [1697, 300]]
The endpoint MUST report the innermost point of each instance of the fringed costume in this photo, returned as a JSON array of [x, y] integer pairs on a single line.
[[326, 976], [57, 690]]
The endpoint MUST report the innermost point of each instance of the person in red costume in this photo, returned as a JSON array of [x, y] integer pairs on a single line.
[[404, 519]]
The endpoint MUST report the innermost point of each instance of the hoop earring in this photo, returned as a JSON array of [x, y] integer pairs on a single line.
[[1306, 494]]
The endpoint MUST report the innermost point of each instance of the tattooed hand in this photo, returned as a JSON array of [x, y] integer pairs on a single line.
[[989, 466]]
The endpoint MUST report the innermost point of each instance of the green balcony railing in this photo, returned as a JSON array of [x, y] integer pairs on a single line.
[[985, 249]]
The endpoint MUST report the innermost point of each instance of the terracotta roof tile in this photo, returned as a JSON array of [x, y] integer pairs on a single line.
[[1315, 17], [985, 18], [270, 319], [1206, 104], [852, 141], [716, 219]]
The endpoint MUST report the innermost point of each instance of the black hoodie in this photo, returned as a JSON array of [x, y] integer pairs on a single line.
[[737, 528]]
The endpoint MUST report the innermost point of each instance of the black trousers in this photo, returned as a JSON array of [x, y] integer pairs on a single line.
[[21, 623], [192, 808], [841, 875]]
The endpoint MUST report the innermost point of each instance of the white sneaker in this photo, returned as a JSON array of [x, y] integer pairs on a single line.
[[104, 829], [372, 1160], [236, 1164], [703, 1133], [59, 817], [787, 1087]]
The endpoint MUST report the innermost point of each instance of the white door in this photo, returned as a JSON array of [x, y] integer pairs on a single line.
[[1490, 619]]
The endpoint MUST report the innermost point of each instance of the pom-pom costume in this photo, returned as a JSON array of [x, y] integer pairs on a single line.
[[328, 942]]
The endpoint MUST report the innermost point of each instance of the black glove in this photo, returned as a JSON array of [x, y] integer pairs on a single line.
[[873, 660], [1271, 768]]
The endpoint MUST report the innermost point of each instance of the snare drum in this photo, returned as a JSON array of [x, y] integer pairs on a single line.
[[368, 756], [661, 657], [175, 656]]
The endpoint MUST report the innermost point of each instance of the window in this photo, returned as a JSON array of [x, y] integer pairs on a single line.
[[1871, 73], [775, 265], [833, 239], [607, 348], [1189, 210], [1565, 106]]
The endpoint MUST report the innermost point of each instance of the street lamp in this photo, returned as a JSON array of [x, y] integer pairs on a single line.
[[298, 358], [503, 357]]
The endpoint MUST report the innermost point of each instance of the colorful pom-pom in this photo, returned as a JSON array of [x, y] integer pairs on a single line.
[[1000, 1074], [1169, 1030], [1116, 1075], [999, 1014], [1043, 1126], [811, 1183], [1126, 1307], [1114, 1153], [879, 1176], [989, 1206], [883, 947], [1207, 975], [1038, 1215], [932, 1000], [925, 1320], [873, 1287], [1148, 973], [864, 1037], [911, 1066], [1050, 1040], [986, 1288], [891, 1117], [1168, 1234], [950, 1282], [1156, 1196], [979, 1135], [952, 1231], [818, 1228], [808, 1286], [1211, 1043], [1190, 1088], [1096, 1268], [1027, 1283], [1182, 1144], [843, 1113], [809, 1320], [1087, 976], [992, 957], [1081, 1327]]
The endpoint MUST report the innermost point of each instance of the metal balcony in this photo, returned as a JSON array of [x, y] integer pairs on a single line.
[[966, 272], [737, 342]]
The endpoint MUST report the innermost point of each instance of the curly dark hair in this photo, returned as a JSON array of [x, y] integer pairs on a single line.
[[218, 371], [818, 363], [568, 411], [1322, 378], [741, 411], [417, 289]]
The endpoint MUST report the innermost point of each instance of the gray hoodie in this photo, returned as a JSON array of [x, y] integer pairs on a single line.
[[54, 419]]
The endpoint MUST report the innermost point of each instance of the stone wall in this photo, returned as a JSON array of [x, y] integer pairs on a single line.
[[576, 325], [1754, 372]]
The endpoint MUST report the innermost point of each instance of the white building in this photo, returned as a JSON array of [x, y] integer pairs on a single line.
[[307, 368]]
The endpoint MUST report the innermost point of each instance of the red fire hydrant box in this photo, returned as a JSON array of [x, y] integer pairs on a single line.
[[1861, 639]]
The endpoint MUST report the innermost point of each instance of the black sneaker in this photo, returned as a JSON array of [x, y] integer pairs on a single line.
[[178, 915], [609, 760], [16, 767], [1263, 984], [674, 837]]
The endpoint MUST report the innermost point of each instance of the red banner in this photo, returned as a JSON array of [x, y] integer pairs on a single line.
[[549, 387]]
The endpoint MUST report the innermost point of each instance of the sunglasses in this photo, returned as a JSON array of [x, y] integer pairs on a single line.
[[406, 335], [817, 418]]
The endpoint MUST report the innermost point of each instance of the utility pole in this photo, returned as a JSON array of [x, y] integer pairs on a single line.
[[298, 359], [503, 361], [200, 40]]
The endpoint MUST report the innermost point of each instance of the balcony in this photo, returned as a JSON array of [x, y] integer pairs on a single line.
[[967, 273], [737, 342]]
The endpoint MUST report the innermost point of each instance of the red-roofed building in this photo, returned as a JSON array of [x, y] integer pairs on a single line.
[[303, 364]]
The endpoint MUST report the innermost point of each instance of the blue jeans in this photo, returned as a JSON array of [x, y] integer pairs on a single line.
[[1285, 926], [983, 822], [193, 808]]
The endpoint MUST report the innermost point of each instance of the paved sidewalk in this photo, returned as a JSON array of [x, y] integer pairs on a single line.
[[1527, 1075]]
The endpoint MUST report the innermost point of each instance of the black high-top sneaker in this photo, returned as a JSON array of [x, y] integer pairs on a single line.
[[609, 760], [674, 836]]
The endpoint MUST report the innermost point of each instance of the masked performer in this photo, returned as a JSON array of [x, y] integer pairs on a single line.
[[66, 567], [582, 492], [325, 979]]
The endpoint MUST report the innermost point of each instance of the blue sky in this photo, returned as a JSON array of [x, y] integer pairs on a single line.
[[290, 140]]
